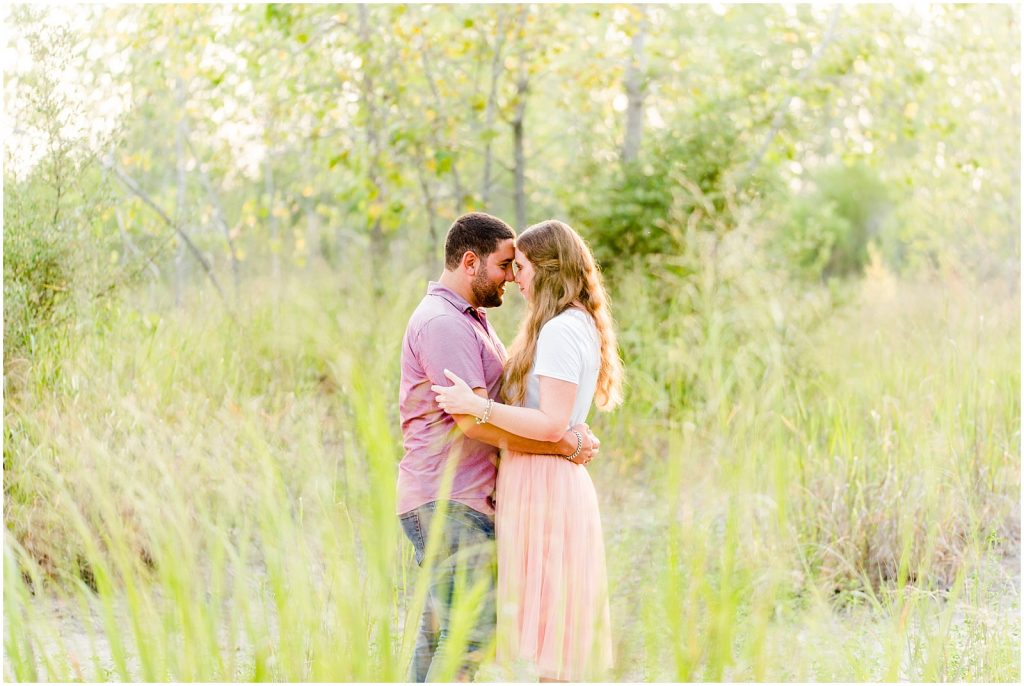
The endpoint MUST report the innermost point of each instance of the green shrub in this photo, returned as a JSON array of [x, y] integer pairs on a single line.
[[826, 231], [809, 235], [38, 273], [687, 168]]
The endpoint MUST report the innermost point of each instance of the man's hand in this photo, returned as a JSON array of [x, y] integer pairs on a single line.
[[591, 445]]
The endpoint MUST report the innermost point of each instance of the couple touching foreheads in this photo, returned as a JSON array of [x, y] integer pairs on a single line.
[[462, 398]]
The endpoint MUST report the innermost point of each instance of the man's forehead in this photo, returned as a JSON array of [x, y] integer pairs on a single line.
[[505, 251]]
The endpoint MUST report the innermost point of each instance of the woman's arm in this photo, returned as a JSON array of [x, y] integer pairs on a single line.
[[499, 438], [548, 423]]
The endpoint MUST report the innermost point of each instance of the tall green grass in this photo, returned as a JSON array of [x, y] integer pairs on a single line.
[[852, 453], [228, 491], [803, 484]]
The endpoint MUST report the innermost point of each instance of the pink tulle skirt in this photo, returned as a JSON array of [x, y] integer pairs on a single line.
[[553, 616]]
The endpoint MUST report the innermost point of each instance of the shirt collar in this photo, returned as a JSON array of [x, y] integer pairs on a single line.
[[460, 303]]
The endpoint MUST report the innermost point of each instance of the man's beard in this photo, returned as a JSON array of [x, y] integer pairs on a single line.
[[486, 292]]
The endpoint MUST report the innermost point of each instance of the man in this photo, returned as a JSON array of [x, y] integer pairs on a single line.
[[450, 463]]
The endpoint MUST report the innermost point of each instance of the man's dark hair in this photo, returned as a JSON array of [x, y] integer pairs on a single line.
[[474, 231]]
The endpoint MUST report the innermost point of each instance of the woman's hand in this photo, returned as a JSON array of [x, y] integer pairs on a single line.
[[590, 447], [459, 398]]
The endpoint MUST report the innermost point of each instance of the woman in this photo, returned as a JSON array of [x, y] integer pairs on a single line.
[[552, 585]]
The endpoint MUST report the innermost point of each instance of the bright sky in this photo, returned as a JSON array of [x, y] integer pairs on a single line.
[[91, 104]]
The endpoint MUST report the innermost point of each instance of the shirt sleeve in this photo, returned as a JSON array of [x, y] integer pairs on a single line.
[[446, 342], [561, 350]]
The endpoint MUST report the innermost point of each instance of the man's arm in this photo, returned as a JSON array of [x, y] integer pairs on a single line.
[[499, 438]]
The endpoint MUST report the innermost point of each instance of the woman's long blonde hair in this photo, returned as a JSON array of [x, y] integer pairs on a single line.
[[564, 273]]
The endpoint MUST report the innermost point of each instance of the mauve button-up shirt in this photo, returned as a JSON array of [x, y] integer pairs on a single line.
[[445, 332]]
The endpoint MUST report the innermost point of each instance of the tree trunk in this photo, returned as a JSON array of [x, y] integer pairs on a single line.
[[377, 246], [497, 66], [430, 206], [131, 248], [180, 264], [518, 123], [636, 91], [458, 190], [309, 205], [218, 215], [272, 223], [518, 135]]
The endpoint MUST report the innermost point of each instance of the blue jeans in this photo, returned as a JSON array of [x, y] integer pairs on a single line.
[[466, 561]]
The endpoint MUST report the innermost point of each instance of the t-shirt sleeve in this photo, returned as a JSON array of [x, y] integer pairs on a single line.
[[446, 342], [561, 350]]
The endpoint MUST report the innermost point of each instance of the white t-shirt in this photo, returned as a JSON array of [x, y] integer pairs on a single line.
[[569, 349]]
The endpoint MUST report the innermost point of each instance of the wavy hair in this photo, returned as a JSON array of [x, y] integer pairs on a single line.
[[565, 273]]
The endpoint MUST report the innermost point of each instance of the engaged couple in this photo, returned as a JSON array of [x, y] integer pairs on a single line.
[[463, 398]]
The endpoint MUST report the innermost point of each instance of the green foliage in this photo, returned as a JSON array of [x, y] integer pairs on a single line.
[[827, 230], [396, 113], [58, 261], [39, 273], [684, 170], [714, 323], [810, 233], [860, 199]]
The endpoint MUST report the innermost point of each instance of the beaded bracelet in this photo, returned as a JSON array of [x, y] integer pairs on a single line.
[[487, 412]]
